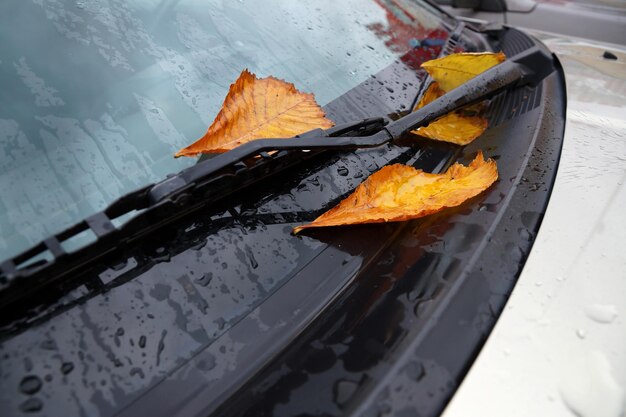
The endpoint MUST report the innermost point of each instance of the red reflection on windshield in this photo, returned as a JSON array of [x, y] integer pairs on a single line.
[[403, 34]]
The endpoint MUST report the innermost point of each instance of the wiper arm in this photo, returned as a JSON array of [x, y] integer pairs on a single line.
[[528, 67], [199, 185]]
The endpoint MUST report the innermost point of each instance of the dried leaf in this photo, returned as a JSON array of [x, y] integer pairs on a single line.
[[453, 70], [456, 127], [399, 192], [259, 108], [450, 72], [432, 93]]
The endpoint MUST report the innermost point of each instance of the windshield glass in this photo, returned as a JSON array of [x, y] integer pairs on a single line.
[[98, 95]]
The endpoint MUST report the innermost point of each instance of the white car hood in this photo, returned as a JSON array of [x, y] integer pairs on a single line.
[[559, 347]]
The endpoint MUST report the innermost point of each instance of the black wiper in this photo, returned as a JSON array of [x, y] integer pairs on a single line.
[[199, 185]]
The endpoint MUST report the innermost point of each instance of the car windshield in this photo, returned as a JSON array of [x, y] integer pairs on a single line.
[[98, 95]]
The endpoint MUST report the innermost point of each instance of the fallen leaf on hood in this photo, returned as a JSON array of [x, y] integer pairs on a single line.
[[259, 108], [453, 70], [400, 192], [448, 73]]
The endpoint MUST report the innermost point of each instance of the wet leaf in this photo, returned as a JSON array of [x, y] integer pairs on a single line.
[[432, 93], [450, 72], [259, 108], [453, 70], [399, 192], [457, 127]]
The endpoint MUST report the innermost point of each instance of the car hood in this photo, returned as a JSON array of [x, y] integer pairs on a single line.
[[559, 347]]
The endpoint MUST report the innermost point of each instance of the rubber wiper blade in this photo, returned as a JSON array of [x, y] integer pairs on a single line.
[[528, 67], [164, 202]]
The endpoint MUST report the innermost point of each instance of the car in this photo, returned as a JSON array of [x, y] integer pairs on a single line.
[[602, 20], [557, 348], [135, 283]]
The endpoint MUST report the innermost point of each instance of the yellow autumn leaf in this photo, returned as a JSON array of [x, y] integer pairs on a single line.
[[455, 128], [432, 93], [454, 70], [399, 192], [259, 108], [450, 72]]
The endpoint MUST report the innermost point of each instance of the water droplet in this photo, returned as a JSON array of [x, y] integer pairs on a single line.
[[119, 332], [142, 342], [253, 262], [30, 384], [343, 171], [415, 371], [538, 284], [49, 345], [67, 367], [601, 313], [221, 323], [199, 245], [160, 347], [371, 167], [343, 391], [137, 371], [205, 279], [421, 307], [525, 234], [206, 364], [581, 333], [31, 405], [161, 255], [591, 390]]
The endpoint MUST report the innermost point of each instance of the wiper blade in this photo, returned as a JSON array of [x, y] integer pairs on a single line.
[[528, 67], [164, 202]]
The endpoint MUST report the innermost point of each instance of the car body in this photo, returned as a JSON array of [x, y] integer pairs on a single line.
[[558, 348], [204, 302]]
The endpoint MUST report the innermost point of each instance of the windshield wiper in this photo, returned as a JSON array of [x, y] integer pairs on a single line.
[[529, 67], [162, 203]]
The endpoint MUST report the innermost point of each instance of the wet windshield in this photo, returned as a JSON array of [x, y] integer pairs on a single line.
[[97, 95]]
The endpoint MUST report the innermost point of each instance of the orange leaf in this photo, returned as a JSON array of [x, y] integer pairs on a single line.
[[399, 192], [259, 108]]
